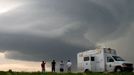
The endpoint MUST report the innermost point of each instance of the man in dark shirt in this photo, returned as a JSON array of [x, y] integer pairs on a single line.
[[53, 65], [43, 66]]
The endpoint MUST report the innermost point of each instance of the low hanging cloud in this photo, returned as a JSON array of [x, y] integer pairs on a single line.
[[58, 29]]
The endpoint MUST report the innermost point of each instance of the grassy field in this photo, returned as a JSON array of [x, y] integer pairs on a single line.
[[38, 73]]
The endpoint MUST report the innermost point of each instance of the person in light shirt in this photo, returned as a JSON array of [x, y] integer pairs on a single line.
[[69, 66], [61, 66]]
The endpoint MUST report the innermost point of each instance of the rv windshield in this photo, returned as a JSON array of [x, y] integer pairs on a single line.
[[117, 58]]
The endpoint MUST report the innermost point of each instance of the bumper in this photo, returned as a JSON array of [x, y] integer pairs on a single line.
[[129, 69]]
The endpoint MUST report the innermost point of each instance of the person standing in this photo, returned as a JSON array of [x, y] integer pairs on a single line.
[[61, 66], [53, 65], [69, 66], [43, 66]]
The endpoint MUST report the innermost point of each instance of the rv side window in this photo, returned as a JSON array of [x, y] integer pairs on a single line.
[[86, 58], [92, 58], [109, 59]]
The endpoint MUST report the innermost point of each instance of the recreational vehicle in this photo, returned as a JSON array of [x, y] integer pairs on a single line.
[[101, 60]]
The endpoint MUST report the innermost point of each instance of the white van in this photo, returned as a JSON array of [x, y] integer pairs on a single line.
[[101, 60]]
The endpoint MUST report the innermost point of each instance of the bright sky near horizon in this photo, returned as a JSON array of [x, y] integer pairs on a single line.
[[17, 65]]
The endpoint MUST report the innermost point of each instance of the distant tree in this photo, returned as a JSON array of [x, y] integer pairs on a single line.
[[10, 70]]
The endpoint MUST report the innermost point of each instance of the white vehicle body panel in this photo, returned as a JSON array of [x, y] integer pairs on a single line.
[[96, 60]]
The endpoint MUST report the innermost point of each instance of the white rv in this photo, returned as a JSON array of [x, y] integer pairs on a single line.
[[101, 60]]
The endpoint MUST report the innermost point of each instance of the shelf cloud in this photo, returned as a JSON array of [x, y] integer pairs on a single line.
[[58, 29]]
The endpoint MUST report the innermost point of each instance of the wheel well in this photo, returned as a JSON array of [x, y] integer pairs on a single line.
[[117, 67], [86, 70]]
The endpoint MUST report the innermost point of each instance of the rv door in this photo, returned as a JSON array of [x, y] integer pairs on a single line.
[[86, 63], [93, 63]]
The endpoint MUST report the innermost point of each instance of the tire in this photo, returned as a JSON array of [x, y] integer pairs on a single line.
[[118, 69], [86, 70]]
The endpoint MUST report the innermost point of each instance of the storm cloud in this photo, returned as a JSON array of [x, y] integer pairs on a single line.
[[57, 29]]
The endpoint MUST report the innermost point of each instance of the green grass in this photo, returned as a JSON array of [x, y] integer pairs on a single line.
[[49, 73]]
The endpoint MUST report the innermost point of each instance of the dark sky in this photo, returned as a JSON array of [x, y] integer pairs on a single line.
[[38, 30]]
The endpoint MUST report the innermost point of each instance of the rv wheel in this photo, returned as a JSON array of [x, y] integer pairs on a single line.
[[118, 69]]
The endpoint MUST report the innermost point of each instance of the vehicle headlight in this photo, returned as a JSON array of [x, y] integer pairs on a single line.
[[124, 65]]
